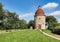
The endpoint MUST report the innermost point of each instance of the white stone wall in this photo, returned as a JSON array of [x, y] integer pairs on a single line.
[[40, 20]]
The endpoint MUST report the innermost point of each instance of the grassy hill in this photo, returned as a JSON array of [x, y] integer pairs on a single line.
[[26, 36]]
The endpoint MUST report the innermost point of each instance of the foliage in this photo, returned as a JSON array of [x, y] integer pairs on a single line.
[[1, 15], [31, 23], [52, 22], [23, 24], [10, 20], [57, 27], [57, 30]]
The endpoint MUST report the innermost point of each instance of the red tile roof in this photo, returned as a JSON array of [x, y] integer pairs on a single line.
[[39, 12]]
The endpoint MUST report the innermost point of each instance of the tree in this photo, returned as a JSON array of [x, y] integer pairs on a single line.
[[12, 20], [23, 24], [1, 15], [31, 23], [9, 20], [58, 26], [52, 22]]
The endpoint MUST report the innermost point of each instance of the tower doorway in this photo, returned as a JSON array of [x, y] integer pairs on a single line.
[[39, 27]]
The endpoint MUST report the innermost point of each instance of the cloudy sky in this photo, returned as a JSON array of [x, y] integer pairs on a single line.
[[27, 8]]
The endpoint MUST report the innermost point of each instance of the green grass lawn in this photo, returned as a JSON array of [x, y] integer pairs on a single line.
[[26, 36], [48, 31]]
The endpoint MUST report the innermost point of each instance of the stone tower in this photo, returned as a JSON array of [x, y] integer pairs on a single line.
[[39, 19]]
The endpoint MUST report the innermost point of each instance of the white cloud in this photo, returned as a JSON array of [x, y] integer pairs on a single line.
[[26, 15], [50, 5], [55, 13]]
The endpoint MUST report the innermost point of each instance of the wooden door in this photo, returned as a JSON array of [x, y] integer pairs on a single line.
[[39, 26]]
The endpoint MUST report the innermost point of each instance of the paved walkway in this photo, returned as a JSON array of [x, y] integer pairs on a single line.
[[50, 35]]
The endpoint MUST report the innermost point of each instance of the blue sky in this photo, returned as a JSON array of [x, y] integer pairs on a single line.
[[27, 8]]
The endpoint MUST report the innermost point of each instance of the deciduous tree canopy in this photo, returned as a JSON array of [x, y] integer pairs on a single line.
[[10, 20]]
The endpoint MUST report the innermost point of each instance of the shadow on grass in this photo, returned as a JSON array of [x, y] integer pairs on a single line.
[[57, 32]]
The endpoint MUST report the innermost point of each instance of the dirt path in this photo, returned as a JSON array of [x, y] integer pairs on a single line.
[[55, 35], [4, 31], [50, 35]]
